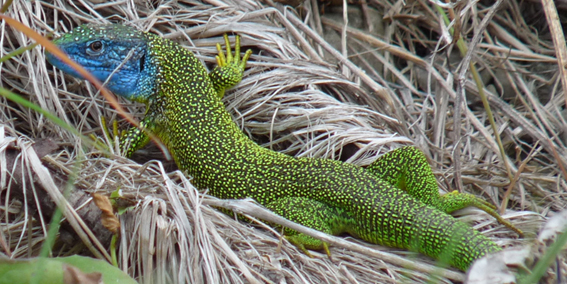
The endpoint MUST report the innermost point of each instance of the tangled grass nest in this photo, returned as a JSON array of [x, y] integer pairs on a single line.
[[344, 84]]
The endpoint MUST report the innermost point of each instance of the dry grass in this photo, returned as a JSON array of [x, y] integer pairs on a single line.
[[384, 88]]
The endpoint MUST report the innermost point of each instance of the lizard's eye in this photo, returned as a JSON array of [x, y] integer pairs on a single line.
[[95, 48]]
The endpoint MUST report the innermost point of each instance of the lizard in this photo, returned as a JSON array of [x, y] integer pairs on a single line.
[[394, 202]]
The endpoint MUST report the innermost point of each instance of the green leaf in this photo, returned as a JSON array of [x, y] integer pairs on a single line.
[[60, 270]]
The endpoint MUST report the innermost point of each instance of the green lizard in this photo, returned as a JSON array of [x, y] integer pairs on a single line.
[[184, 109]]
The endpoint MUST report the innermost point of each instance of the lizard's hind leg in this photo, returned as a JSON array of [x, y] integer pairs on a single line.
[[407, 168]]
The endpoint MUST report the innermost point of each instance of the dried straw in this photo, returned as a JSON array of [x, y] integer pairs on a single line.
[[394, 80]]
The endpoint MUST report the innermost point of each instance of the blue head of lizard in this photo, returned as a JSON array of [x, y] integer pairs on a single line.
[[110, 51]]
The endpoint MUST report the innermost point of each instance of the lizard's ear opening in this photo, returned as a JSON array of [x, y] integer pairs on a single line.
[[142, 62]]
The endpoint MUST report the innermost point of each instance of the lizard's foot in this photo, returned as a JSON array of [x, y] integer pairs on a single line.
[[304, 242], [454, 200], [111, 139], [126, 142], [230, 68], [231, 60]]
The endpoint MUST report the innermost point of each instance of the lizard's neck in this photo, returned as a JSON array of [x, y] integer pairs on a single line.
[[191, 119]]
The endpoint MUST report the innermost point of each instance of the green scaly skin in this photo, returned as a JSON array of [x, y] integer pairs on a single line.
[[185, 111]]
